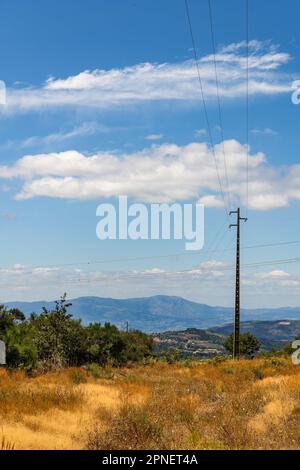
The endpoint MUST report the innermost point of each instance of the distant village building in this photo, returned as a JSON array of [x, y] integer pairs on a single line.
[[2, 353]]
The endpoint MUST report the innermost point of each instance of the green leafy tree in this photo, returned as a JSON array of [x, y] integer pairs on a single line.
[[9, 318], [57, 337], [139, 345], [105, 344], [16, 333], [21, 351], [249, 345]]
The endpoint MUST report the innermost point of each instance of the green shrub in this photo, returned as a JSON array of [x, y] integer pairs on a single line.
[[94, 370], [258, 373]]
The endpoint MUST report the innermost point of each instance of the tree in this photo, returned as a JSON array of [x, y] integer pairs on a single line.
[[9, 318], [16, 333], [58, 338], [20, 350], [138, 345], [108, 344], [249, 345], [104, 344]]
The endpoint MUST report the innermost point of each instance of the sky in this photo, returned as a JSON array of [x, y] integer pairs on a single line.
[[103, 99]]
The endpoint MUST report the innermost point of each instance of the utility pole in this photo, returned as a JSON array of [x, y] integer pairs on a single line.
[[236, 332]]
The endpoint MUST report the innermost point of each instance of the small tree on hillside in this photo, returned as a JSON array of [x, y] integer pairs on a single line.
[[57, 336], [249, 345]]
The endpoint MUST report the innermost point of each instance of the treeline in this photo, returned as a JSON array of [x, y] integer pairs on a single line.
[[55, 339]]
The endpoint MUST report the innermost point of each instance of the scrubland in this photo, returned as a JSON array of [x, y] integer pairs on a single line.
[[252, 404]]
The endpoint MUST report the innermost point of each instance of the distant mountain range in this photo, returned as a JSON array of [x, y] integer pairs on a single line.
[[159, 313]]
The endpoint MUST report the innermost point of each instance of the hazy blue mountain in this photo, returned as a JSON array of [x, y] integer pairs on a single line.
[[159, 313]]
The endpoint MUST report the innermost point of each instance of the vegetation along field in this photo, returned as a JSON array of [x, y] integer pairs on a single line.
[[73, 386], [218, 404]]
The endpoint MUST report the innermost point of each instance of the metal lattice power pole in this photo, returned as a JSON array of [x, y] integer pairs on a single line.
[[237, 316]]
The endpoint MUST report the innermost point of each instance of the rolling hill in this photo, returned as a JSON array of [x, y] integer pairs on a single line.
[[193, 342], [158, 313], [190, 343], [270, 333]]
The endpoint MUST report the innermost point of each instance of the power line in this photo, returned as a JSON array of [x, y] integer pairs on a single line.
[[172, 255], [272, 262], [218, 98], [259, 264], [247, 104], [196, 58], [216, 240]]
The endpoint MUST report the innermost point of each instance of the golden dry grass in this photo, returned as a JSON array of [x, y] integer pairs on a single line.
[[245, 405]]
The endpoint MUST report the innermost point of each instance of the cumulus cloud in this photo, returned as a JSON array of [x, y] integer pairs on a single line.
[[159, 82], [275, 274], [276, 281], [160, 173]]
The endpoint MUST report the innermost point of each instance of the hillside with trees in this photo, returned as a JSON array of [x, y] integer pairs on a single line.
[[54, 339]]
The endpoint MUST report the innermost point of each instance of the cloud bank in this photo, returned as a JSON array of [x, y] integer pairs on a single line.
[[147, 82], [20, 282], [159, 173]]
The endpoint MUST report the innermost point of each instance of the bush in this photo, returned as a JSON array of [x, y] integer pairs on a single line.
[[133, 428], [94, 370], [249, 345], [258, 373]]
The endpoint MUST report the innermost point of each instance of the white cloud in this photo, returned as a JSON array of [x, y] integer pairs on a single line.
[[160, 173], [85, 129], [275, 274], [274, 283], [154, 137], [279, 273], [200, 132], [211, 201], [265, 131], [156, 82]]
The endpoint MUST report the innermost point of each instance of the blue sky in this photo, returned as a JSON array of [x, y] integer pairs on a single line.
[[116, 82]]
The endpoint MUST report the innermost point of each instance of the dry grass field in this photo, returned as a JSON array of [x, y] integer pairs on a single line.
[[226, 405]]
